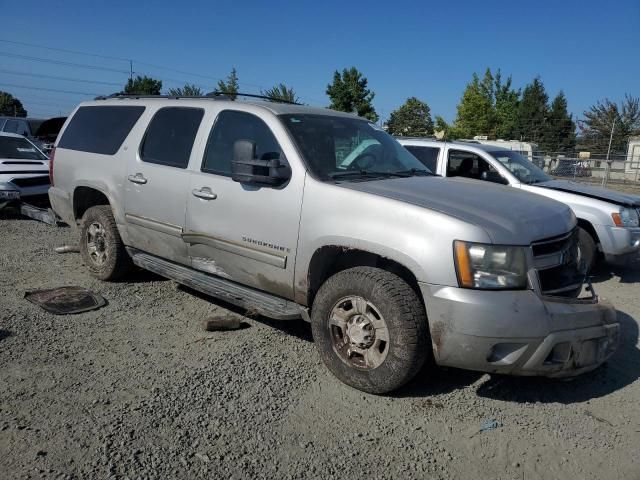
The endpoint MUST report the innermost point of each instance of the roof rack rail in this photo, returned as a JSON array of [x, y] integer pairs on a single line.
[[215, 95]]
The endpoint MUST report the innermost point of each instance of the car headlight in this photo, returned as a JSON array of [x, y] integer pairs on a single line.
[[626, 217], [490, 267]]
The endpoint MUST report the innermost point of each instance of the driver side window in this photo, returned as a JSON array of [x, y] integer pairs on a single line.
[[469, 165]]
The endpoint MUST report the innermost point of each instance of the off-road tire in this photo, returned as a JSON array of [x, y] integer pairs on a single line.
[[403, 313], [117, 262], [588, 249]]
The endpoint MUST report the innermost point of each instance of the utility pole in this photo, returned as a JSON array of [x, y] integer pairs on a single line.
[[608, 169], [131, 70]]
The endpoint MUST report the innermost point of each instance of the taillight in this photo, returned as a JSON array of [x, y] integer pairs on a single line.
[[51, 155]]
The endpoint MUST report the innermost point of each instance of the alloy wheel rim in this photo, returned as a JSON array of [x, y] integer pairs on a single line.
[[359, 333]]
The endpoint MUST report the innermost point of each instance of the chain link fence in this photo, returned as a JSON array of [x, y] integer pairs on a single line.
[[620, 172]]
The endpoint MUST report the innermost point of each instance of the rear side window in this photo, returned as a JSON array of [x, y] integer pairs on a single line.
[[100, 129], [170, 136], [11, 126], [231, 126], [428, 156]]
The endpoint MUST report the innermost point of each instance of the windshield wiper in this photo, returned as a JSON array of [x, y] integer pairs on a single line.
[[367, 174], [415, 172]]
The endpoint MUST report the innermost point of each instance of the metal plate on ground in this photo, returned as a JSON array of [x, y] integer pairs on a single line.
[[66, 300]]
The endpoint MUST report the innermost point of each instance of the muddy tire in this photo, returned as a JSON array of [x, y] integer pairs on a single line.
[[101, 247], [371, 329], [588, 250]]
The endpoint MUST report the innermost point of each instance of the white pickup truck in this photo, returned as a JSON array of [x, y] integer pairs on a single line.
[[608, 219]]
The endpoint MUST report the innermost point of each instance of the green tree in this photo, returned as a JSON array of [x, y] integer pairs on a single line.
[[532, 112], [560, 130], [143, 86], [10, 106], [600, 119], [476, 113], [230, 87], [282, 93], [411, 119], [349, 93], [189, 90], [446, 131], [506, 101]]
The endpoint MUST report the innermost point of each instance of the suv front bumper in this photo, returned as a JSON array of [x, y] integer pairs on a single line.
[[519, 332], [619, 244]]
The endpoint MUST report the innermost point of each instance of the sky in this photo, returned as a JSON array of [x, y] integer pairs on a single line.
[[589, 49]]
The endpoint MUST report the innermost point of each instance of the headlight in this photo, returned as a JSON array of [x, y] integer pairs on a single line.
[[490, 267], [626, 217]]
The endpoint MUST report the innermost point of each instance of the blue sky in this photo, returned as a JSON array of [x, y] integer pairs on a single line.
[[590, 49]]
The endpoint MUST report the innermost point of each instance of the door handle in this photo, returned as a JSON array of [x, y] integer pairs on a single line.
[[137, 178], [205, 193]]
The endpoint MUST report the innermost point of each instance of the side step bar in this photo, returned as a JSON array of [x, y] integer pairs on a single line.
[[245, 297]]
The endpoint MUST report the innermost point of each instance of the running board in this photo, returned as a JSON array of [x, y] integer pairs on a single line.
[[245, 297]]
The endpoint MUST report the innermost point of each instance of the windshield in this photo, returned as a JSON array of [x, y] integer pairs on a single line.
[[19, 148], [520, 167], [350, 149]]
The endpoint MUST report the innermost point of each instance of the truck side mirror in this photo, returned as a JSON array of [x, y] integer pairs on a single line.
[[246, 168], [495, 177]]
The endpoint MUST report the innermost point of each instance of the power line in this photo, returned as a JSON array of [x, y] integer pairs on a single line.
[[67, 79], [55, 49], [60, 62], [13, 85]]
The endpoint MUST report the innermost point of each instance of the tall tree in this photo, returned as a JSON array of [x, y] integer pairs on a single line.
[[282, 93], [600, 120], [349, 93], [476, 113], [143, 86], [189, 90], [230, 87], [532, 112], [10, 106], [506, 107], [560, 130], [411, 119]]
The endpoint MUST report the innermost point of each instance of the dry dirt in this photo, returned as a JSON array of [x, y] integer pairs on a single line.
[[138, 389]]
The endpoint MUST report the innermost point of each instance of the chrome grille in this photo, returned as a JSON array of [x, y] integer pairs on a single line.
[[556, 261]]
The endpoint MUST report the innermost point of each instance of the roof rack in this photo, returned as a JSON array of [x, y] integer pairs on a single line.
[[215, 95]]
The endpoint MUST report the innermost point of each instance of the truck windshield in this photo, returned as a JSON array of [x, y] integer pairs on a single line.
[[18, 148], [520, 167], [339, 148]]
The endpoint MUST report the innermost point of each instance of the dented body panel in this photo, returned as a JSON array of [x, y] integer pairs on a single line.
[[516, 332]]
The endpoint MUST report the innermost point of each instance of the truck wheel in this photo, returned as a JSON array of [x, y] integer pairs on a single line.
[[101, 246], [588, 254], [370, 328]]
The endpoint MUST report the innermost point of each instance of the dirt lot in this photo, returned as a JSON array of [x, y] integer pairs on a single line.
[[137, 389]]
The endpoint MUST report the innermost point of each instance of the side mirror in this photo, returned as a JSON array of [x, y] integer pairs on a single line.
[[495, 177], [246, 168]]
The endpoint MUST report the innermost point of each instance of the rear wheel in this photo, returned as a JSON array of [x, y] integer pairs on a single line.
[[370, 328], [101, 246], [588, 250]]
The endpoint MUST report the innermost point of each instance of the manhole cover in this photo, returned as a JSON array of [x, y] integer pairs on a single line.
[[65, 300]]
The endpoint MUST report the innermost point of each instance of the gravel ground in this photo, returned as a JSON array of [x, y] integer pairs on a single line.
[[138, 389]]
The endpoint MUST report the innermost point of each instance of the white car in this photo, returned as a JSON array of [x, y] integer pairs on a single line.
[[24, 169], [608, 220]]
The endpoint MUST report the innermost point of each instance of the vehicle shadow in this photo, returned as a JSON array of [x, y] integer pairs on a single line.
[[622, 369], [296, 328], [4, 334], [627, 273], [139, 275], [433, 380]]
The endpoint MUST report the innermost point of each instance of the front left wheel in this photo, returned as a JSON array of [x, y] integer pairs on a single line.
[[371, 329]]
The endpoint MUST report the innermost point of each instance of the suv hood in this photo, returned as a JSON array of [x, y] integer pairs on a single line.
[[599, 193], [509, 216], [15, 166]]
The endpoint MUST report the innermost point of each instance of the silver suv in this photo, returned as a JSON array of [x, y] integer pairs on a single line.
[[295, 211], [608, 221]]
